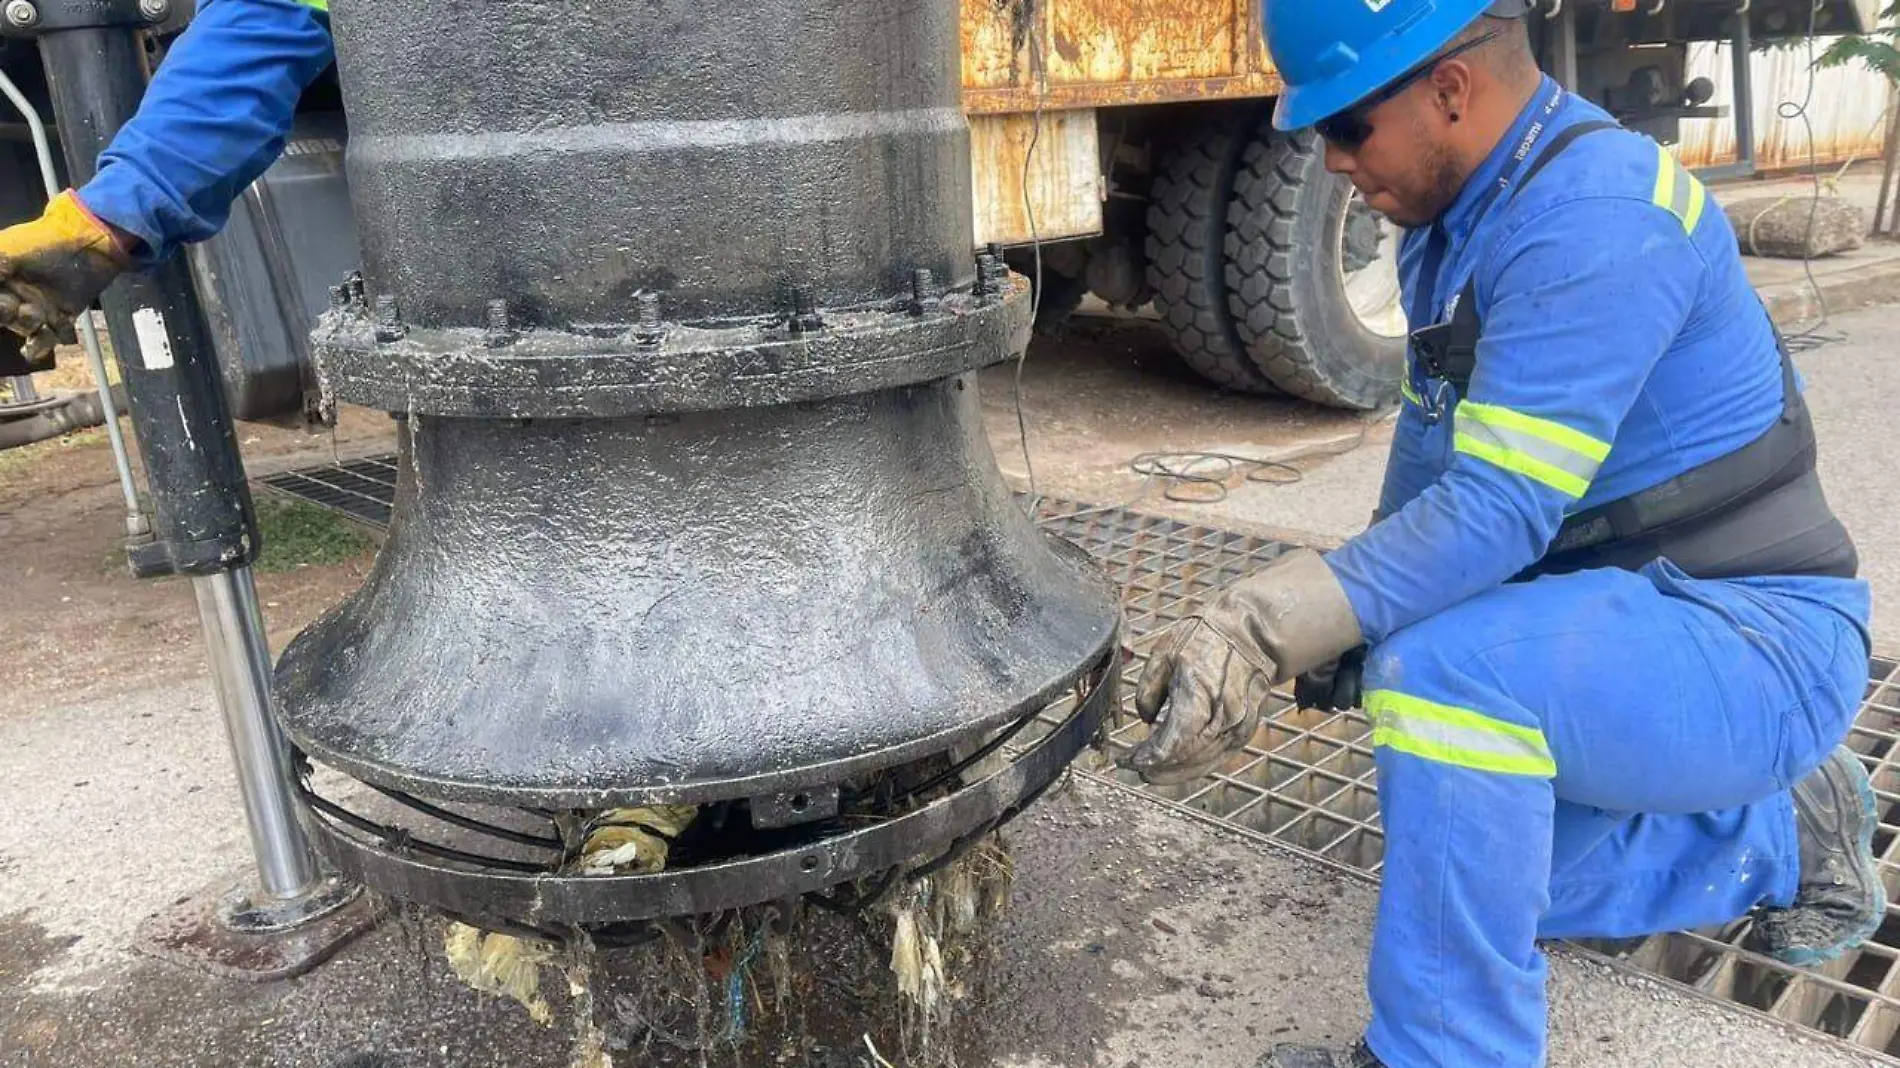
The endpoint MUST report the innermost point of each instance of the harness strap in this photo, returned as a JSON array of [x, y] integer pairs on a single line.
[[1758, 510], [1449, 350]]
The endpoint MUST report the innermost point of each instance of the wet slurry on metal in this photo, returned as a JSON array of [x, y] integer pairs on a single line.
[[677, 306], [647, 611], [566, 157], [661, 366]]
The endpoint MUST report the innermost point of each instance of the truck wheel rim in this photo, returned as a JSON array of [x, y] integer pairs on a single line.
[[1368, 259]]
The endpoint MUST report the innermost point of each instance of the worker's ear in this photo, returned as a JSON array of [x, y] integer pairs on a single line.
[[1450, 86]]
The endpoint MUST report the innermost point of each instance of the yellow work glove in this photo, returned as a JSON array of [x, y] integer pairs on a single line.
[[52, 269]]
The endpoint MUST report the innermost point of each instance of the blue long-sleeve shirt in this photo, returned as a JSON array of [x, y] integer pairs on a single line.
[[214, 118], [1622, 345]]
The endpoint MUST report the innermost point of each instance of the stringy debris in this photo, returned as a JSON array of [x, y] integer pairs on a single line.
[[755, 980], [935, 921], [617, 840], [590, 1042], [918, 962]]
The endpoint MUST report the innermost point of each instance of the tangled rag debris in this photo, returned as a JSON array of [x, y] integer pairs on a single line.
[[622, 840], [500, 964], [619, 840]]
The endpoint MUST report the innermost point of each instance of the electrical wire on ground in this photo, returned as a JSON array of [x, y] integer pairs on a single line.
[[1205, 477], [1811, 336], [1039, 76]]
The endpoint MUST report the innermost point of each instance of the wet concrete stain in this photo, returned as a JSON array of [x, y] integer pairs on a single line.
[[379, 1004], [1114, 911], [1120, 929]]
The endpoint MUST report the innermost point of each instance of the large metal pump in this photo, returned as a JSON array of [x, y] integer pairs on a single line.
[[678, 309]]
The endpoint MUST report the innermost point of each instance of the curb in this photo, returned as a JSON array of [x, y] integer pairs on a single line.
[[1841, 289]]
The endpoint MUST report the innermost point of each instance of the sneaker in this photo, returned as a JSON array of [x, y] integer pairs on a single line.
[[1840, 902], [1321, 1057]]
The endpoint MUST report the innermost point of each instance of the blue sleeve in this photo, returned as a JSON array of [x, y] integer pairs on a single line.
[[1408, 467], [1587, 297], [214, 118]]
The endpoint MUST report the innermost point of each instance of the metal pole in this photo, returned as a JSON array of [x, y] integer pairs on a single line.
[[1889, 155], [204, 523], [240, 670], [135, 525], [1744, 97], [1564, 43]]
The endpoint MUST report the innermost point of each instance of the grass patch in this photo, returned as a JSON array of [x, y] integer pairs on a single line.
[[18, 460], [300, 534]]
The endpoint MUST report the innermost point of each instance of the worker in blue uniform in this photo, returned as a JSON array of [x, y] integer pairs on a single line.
[[1612, 636], [213, 119]]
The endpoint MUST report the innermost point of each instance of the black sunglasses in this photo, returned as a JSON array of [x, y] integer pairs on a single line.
[[1350, 128]]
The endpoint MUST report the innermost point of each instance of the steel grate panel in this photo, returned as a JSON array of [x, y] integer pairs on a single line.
[[361, 489], [1306, 779]]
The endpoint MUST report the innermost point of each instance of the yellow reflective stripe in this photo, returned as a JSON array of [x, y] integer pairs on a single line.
[[1677, 191], [1457, 736], [1406, 390], [320, 5], [1556, 433], [1697, 197], [1519, 464], [1665, 192], [1566, 460]]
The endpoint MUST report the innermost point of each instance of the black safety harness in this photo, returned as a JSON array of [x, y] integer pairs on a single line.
[[1756, 511]]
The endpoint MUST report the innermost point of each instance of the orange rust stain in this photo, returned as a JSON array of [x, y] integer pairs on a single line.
[[1105, 53], [1008, 100], [1142, 40], [995, 42]]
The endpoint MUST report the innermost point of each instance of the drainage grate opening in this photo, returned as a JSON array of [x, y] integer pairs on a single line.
[[1306, 778], [362, 489]]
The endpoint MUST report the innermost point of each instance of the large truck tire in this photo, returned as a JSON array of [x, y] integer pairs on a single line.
[[1186, 252], [1312, 277]]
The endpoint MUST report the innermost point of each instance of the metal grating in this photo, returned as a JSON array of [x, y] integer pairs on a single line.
[[1306, 779], [361, 489]]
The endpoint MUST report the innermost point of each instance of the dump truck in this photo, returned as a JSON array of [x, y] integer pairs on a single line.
[[1120, 148], [1132, 139]]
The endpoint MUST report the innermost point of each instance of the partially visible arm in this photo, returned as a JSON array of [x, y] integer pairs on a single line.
[[1588, 297], [214, 118], [1408, 468]]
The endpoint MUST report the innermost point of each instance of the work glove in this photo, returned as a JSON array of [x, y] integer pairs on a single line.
[[1334, 687], [1205, 686], [51, 270]]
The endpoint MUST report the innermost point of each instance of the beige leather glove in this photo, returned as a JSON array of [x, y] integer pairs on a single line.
[[1205, 685]]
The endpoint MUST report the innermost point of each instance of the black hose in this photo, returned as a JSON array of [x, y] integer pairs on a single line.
[[81, 411]]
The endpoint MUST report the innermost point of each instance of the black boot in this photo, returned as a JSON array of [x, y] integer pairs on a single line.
[[1321, 1057], [1840, 902]]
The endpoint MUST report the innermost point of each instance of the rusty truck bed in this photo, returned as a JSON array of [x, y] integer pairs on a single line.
[[1109, 53]]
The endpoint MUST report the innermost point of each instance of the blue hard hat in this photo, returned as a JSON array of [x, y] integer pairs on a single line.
[[1334, 53]]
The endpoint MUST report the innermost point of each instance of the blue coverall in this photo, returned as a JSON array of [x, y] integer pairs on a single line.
[[1607, 753], [214, 118]]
